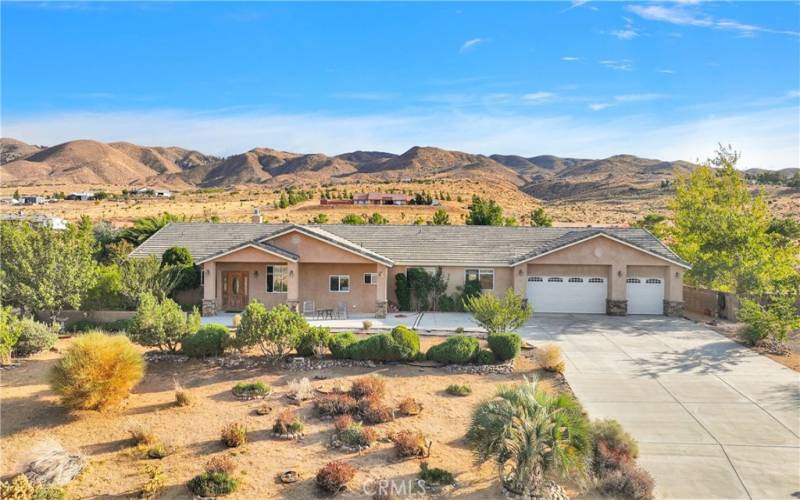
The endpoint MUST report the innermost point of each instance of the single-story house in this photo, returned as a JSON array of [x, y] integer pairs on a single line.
[[84, 196], [381, 199], [614, 271]]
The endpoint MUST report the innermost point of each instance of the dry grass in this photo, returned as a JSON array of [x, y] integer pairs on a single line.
[[411, 444], [331, 405], [182, 396], [143, 435], [549, 358], [301, 390], [222, 463], [333, 478], [234, 435], [409, 406], [368, 387], [287, 423], [342, 422]]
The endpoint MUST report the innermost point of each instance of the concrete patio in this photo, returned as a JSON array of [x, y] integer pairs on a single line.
[[351, 323], [713, 418]]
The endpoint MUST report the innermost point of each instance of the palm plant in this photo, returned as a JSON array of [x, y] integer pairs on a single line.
[[529, 434]]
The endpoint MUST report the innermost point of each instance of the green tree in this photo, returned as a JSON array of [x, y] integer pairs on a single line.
[[539, 218], [484, 212], [284, 201], [655, 223], [786, 230], [162, 323], [773, 321], [182, 264], [147, 226], [44, 269], [530, 434], [277, 331], [107, 290], [10, 331], [319, 219], [440, 218], [377, 219], [499, 315], [147, 275], [722, 230], [353, 219]]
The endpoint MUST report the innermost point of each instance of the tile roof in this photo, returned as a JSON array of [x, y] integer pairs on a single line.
[[404, 244]]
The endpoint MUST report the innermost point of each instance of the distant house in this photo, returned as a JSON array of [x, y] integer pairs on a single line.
[[381, 199], [33, 200], [327, 201], [84, 196], [37, 219], [147, 191]]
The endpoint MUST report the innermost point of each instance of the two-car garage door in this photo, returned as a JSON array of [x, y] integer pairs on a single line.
[[568, 294]]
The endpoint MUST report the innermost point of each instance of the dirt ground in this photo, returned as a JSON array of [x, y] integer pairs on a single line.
[[30, 412]]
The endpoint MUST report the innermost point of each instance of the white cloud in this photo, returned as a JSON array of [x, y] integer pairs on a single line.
[[767, 137], [666, 71], [471, 44], [366, 96], [570, 58], [538, 97], [688, 15], [639, 97], [626, 34], [621, 65], [599, 106]]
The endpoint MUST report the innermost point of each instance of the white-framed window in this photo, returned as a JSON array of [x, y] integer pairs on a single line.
[[277, 279], [653, 281], [597, 280], [370, 278], [555, 280], [484, 276], [575, 280], [633, 280], [339, 283], [537, 279]]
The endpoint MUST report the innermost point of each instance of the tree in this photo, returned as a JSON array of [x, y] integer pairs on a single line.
[[484, 213], [530, 434], [377, 219], [353, 219], [786, 230], [772, 321], [319, 219], [655, 223], [539, 218], [722, 230], [499, 315], [277, 331], [147, 226], [10, 331], [162, 323], [440, 218], [182, 262], [44, 269], [147, 275]]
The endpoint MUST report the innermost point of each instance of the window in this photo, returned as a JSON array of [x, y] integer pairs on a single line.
[[596, 280], [277, 279], [484, 276], [340, 283], [633, 280], [555, 280], [202, 277], [653, 281], [575, 280], [370, 278], [536, 279]]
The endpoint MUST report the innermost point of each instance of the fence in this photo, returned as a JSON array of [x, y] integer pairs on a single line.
[[710, 302], [70, 317]]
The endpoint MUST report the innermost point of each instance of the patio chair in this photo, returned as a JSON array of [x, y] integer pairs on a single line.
[[341, 310], [309, 309]]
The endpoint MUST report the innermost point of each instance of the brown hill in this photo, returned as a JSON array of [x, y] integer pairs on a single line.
[[12, 149]]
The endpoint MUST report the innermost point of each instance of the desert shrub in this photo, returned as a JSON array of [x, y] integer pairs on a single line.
[[183, 397], [97, 372], [156, 480], [264, 409], [549, 358], [222, 463], [314, 341], [373, 411], [499, 315], [209, 340], [213, 484], [407, 337], [629, 482], [366, 325], [158, 450], [342, 422], [366, 387], [612, 447], [505, 346], [333, 478], [52, 465], [381, 347], [459, 390], [277, 331], [20, 488], [143, 435], [340, 343], [85, 325], [435, 475], [234, 435], [331, 405], [9, 333], [249, 390], [774, 320], [287, 422], [410, 444], [409, 407], [301, 390], [485, 357], [357, 436], [162, 324], [35, 337], [455, 350]]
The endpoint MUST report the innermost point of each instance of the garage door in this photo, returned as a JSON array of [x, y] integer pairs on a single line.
[[645, 295], [567, 294]]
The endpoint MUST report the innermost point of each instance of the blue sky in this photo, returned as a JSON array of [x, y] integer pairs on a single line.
[[581, 79]]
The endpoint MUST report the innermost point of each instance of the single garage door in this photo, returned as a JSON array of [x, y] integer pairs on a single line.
[[567, 294], [645, 295]]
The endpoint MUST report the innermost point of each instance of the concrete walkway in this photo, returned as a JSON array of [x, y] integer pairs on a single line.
[[713, 419], [352, 323]]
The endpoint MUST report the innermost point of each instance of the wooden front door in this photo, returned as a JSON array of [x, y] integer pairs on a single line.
[[234, 290]]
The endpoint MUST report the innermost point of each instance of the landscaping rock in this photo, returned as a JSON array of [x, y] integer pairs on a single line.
[[498, 369]]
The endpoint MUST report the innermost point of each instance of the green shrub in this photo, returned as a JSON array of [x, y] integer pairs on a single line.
[[459, 390], [407, 337], [276, 332], [381, 347], [20, 488], [97, 372], [499, 315], [340, 343], [773, 321], [251, 389], [85, 325], [213, 484], [612, 447], [455, 350], [435, 475], [357, 436], [505, 346], [35, 337], [162, 324], [485, 357], [403, 292], [9, 333], [287, 423], [210, 340], [313, 341], [106, 294]]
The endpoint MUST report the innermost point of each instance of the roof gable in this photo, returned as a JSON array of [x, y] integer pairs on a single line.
[[328, 238]]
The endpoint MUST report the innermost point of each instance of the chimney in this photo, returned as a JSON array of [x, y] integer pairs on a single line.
[[256, 217]]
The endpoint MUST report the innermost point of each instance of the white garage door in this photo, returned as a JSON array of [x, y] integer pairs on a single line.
[[567, 294], [645, 295]]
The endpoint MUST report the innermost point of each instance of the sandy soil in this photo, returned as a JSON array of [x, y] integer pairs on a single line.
[[30, 413]]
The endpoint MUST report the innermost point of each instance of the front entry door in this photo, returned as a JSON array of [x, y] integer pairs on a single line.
[[234, 290]]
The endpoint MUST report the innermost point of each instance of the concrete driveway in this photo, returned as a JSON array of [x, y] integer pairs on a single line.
[[713, 419]]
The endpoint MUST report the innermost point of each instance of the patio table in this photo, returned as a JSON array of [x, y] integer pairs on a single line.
[[325, 313]]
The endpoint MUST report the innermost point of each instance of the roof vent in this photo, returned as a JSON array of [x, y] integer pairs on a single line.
[[256, 217]]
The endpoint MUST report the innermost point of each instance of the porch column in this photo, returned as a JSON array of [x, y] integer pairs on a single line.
[[293, 287], [381, 300], [617, 302], [209, 307]]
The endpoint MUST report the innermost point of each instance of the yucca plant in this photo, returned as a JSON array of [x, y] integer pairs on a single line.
[[530, 434]]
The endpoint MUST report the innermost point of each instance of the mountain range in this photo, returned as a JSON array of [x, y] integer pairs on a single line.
[[92, 163]]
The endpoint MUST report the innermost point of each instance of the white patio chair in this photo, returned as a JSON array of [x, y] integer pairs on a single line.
[[309, 309], [341, 310]]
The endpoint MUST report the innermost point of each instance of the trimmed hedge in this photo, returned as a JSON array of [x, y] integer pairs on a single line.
[[407, 337], [485, 357], [210, 340], [339, 344], [382, 347], [313, 340], [458, 350], [505, 346]]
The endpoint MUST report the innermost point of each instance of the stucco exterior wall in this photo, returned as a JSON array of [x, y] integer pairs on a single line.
[[314, 285], [312, 250], [455, 275], [256, 285]]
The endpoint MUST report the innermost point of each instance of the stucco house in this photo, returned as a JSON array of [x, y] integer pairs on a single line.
[[614, 271]]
